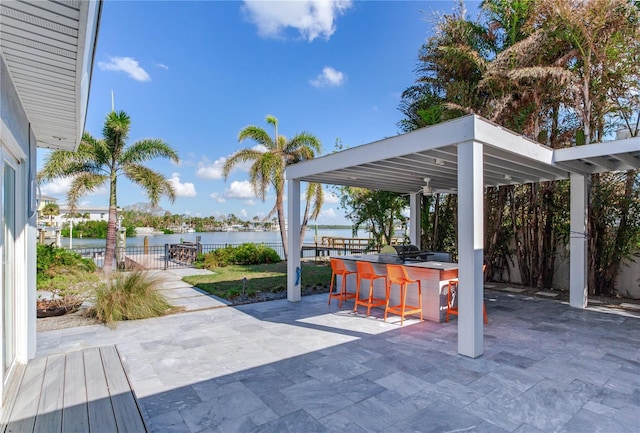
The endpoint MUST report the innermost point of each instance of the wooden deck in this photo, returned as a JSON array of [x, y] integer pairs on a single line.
[[83, 391]]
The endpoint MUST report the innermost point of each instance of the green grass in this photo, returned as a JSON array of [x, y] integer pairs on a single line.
[[227, 282]]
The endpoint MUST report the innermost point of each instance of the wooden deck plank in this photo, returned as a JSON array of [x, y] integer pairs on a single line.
[[100, 410], [75, 416], [25, 408], [127, 413], [49, 418]]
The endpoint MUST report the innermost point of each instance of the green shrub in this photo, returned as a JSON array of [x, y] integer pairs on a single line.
[[50, 255], [245, 254], [63, 271], [87, 229], [129, 296]]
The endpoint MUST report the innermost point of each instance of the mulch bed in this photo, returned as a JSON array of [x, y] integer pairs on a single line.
[[271, 296]]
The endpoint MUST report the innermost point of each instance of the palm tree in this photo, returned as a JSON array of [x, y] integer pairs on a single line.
[[50, 210], [269, 165], [97, 162]]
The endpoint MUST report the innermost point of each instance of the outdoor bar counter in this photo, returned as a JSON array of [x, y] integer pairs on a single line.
[[434, 277]]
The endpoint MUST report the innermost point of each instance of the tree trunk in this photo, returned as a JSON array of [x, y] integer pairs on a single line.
[[110, 250], [281, 221]]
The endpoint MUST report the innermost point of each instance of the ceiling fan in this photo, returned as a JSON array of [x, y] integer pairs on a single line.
[[426, 189]]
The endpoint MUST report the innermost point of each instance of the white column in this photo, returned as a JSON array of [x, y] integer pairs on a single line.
[[470, 248], [415, 229], [578, 294], [294, 270]]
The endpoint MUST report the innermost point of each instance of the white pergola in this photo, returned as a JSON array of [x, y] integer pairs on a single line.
[[463, 156]]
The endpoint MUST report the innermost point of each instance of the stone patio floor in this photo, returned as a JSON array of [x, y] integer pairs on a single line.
[[307, 367]]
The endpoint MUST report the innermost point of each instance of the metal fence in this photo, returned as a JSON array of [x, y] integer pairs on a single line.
[[172, 256]]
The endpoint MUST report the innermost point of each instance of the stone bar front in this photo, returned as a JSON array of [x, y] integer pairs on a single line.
[[434, 277]]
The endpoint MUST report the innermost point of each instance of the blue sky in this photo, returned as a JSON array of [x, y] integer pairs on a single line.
[[195, 73]]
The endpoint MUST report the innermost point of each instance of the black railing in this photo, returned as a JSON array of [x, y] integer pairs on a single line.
[[184, 254]]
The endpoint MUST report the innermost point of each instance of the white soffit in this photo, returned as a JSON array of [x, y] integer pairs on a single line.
[[616, 155], [48, 47]]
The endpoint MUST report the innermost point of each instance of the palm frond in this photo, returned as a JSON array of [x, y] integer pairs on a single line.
[[116, 131], [315, 194], [257, 134], [144, 150], [82, 184], [239, 157], [62, 163], [259, 180], [273, 121], [304, 140], [154, 184]]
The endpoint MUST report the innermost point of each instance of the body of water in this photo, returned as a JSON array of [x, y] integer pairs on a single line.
[[214, 238]]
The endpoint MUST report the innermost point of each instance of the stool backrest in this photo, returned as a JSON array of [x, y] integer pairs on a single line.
[[337, 266], [365, 269], [396, 273]]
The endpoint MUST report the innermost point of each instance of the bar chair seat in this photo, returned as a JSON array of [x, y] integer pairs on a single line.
[[397, 274], [452, 299], [366, 272], [338, 268]]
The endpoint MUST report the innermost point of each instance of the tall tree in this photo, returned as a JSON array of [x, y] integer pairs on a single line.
[[378, 211], [50, 210], [268, 166], [562, 72], [100, 161]]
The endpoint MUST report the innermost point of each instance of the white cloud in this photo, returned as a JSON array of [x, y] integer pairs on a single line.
[[331, 198], [250, 203], [328, 78], [217, 197], [60, 187], [162, 66], [259, 148], [57, 187], [186, 189], [328, 213], [240, 189], [311, 18], [128, 65], [212, 170], [243, 213]]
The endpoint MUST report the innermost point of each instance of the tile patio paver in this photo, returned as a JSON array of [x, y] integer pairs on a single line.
[[280, 366]]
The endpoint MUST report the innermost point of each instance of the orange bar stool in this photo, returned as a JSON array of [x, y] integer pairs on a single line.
[[338, 268], [366, 272], [452, 299], [397, 274]]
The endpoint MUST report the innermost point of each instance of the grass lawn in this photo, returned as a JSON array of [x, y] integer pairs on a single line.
[[264, 282]]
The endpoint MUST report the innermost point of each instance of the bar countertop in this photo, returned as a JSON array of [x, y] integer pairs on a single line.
[[393, 259]]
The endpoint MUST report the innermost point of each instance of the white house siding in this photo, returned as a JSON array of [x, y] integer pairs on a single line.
[[18, 280]]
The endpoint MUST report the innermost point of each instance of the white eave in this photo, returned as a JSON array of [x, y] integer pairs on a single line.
[[401, 163], [48, 47]]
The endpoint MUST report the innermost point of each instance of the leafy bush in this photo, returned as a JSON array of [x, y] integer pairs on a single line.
[[129, 296], [63, 271], [50, 255], [245, 254], [87, 229]]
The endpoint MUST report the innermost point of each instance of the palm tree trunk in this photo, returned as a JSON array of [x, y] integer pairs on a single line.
[[281, 221], [110, 250]]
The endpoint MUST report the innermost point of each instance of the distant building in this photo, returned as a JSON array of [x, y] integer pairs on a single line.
[[82, 213]]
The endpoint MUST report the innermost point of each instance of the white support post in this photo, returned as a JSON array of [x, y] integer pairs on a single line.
[[578, 293], [294, 269], [470, 248], [415, 229]]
